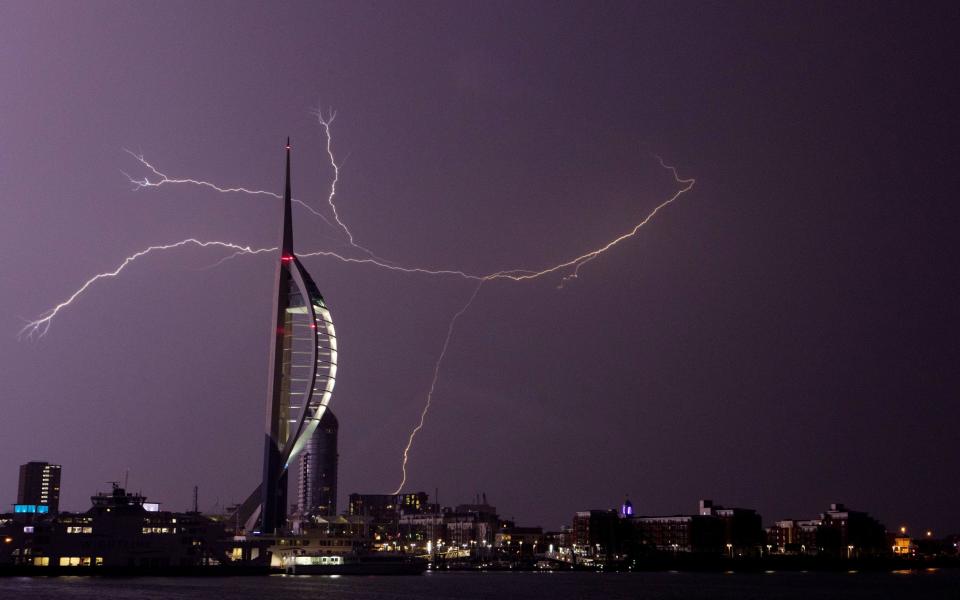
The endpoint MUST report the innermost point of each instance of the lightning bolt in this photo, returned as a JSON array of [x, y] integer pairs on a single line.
[[574, 265], [39, 327], [326, 122], [163, 179], [523, 274], [433, 383], [568, 269]]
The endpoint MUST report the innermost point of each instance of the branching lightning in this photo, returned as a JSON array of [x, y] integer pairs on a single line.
[[433, 384], [567, 270], [163, 179], [39, 327], [326, 122]]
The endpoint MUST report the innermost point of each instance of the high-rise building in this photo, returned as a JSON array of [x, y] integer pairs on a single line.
[[39, 486], [318, 471], [303, 369]]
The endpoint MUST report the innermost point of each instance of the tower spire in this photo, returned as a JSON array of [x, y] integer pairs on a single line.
[[286, 249]]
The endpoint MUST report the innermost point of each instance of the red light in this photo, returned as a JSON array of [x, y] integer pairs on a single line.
[[286, 258], [280, 330]]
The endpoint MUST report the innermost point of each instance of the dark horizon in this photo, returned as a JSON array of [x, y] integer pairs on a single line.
[[782, 337]]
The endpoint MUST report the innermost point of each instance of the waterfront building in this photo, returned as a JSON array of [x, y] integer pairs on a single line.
[[511, 535], [422, 527], [793, 536], [838, 532], [472, 524], [854, 533], [742, 527], [117, 532], [39, 488], [388, 507], [701, 534], [317, 495], [596, 533]]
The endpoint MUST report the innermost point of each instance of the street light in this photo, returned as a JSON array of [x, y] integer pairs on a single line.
[[730, 549], [849, 552]]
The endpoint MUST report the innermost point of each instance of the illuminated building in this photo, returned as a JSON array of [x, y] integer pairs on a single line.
[[303, 369], [792, 536], [903, 546], [838, 532], [317, 495], [39, 487], [120, 531], [388, 507], [596, 532], [477, 522]]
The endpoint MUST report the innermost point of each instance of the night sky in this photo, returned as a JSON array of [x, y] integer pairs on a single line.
[[782, 337]]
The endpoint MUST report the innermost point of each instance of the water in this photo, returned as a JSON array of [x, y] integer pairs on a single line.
[[437, 586]]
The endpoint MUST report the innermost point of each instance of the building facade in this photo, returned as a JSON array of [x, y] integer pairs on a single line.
[[39, 486], [118, 532], [317, 492]]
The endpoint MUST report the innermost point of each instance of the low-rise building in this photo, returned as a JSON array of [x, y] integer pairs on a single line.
[[118, 531]]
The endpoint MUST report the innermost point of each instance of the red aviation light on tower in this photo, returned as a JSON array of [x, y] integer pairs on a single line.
[[286, 258]]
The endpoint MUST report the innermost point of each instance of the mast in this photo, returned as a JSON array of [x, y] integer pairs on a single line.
[[286, 248], [273, 489]]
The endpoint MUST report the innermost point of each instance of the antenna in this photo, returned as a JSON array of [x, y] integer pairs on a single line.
[[196, 490], [126, 479]]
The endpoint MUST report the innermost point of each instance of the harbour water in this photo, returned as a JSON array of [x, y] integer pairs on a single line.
[[436, 586]]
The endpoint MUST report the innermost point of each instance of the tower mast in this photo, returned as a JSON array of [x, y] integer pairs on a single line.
[[273, 489]]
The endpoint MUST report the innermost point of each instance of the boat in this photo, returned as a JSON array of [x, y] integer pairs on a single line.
[[374, 563]]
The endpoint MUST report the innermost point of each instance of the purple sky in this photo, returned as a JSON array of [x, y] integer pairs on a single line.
[[783, 337]]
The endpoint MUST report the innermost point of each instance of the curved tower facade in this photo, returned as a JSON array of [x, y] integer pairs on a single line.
[[303, 369]]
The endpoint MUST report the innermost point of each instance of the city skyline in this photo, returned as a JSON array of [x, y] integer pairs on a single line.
[[783, 338]]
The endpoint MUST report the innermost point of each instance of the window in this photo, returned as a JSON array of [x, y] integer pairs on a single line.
[[79, 529]]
